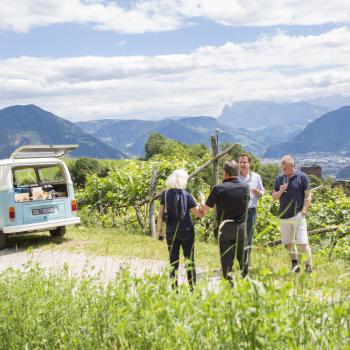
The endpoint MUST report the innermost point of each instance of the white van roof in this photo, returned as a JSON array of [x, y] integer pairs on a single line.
[[33, 155], [42, 151]]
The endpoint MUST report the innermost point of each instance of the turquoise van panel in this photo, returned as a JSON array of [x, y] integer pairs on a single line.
[[24, 210], [43, 211], [6, 201]]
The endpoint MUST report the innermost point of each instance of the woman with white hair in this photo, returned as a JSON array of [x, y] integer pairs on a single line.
[[175, 207]]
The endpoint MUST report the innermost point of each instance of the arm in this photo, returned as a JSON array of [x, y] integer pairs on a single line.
[[160, 221], [260, 190], [197, 211], [276, 195], [203, 207], [307, 202]]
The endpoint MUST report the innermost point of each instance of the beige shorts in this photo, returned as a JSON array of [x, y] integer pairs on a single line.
[[294, 230]]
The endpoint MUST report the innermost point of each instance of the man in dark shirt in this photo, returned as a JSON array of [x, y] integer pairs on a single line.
[[292, 189], [231, 199]]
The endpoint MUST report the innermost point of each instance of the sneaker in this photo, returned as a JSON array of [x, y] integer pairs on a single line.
[[295, 268], [308, 268]]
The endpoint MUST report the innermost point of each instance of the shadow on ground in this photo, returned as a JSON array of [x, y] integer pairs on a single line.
[[38, 240]]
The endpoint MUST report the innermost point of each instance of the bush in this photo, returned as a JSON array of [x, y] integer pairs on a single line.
[[59, 312]]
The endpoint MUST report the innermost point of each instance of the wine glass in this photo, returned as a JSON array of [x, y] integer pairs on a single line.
[[285, 181]]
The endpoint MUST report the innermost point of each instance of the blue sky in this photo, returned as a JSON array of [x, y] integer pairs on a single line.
[[69, 40], [90, 59]]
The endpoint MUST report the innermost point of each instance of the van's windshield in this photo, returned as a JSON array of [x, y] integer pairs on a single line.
[[39, 183]]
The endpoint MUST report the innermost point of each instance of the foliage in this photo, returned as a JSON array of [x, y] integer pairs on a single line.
[[113, 201], [154, 145], [268, 173], [83, 167], [60, 312]]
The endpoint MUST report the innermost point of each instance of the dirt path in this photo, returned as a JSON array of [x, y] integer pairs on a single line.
[[86, 265]]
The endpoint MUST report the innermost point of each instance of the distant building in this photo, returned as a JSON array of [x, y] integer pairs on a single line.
[[314, 169]]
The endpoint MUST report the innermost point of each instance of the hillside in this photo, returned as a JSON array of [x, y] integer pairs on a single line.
[[29, 124], [329, 133], [131, 135], [344, 173]]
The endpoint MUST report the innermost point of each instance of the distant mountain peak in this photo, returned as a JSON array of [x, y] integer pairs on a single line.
[[30, 124], [328, 133]]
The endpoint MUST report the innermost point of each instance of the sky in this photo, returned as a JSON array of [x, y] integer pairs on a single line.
[[137, 59]]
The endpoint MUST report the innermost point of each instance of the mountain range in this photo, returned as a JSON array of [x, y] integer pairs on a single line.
[[257, 114], [23, 125], [329, 133], [130, 135], [273, 136]]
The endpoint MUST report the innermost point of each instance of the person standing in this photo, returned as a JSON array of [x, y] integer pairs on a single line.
[[177, 203], [256, 191], [231, 199], [292, 190]]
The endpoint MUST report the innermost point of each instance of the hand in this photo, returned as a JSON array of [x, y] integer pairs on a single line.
[[283, 188], [303, 212], [160, 236], [201, 198], [256, 192]]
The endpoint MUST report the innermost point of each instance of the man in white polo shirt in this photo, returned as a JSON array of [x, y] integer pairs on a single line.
[[256, 191]]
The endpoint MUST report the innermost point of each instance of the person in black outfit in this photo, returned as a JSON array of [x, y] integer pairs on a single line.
[[176, 204], [231, 199]]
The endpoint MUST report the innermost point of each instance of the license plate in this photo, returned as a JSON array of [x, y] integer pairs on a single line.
[[42, 211]]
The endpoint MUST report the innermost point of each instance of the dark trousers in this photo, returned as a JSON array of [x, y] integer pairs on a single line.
[[232, 244], [251, 220], [174, 245]]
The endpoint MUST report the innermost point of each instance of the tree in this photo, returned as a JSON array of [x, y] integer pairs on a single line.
[[154, 145], [83, 167]]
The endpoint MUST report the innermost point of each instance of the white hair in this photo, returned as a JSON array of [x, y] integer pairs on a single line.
[[287, 160], [177, 179]]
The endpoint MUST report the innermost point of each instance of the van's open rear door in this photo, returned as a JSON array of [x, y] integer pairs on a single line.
[[42, 151]]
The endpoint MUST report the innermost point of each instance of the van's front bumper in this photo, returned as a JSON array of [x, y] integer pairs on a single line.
[[40, 226]]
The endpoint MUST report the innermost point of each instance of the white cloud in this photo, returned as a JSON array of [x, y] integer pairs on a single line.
[[278, 67], [164, 15], [121, 43]]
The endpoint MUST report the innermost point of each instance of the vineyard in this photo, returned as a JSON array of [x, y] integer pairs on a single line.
[[270, 309]]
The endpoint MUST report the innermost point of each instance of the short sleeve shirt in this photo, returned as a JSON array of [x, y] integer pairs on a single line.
[[173, 223], [231, 199], [292, 201]]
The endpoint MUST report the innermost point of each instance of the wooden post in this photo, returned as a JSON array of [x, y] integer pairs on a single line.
[[152, 189], [215, 152]]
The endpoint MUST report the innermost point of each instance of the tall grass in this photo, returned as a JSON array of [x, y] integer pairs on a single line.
[[47, 311]]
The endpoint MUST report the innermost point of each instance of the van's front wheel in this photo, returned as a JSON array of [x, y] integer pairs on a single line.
[[58, 232], [3, 240]]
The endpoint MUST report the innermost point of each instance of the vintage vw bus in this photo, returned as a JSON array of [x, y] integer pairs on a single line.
[[36, 192]]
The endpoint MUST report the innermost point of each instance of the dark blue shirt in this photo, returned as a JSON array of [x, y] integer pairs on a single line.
[[292, 201], [174, 224]]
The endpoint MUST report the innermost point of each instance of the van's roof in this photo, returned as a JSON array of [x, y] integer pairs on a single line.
[[30, 161]]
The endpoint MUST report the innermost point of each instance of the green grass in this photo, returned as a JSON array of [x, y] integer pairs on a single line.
[[272, 309], [40, 311], [114, 242]]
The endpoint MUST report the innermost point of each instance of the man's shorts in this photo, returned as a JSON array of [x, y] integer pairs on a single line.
[[294, 230]]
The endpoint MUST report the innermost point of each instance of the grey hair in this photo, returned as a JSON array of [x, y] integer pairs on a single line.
[[231, 168], [285, 160], [177, 179]]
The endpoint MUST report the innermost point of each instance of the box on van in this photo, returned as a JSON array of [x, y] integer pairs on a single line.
[[36, 192]]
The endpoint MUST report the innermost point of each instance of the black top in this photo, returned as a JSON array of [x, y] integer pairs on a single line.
[[174, 223], [231, 199], [292, 201]]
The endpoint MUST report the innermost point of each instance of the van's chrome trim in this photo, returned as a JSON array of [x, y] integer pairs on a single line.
[[40, 226]]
